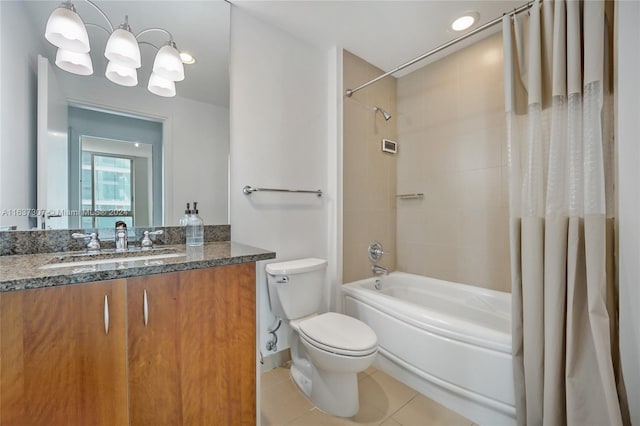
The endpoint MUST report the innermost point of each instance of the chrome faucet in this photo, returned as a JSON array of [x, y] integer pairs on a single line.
[[379, 270], [121, 236], [93, 245], [146, 241]]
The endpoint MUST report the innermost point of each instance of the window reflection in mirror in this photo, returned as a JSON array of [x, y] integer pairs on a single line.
[[115, 169], [116, 183]]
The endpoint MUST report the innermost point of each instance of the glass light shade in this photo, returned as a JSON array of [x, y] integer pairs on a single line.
[[122, 47], [66, 30], [121, 74], [168, 63], [74, 62], [161, 86]]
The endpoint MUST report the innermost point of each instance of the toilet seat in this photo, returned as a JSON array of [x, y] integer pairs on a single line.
[[337, 351], [339, 334]]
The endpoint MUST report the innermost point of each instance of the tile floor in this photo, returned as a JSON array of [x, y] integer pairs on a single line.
[[383, 401]]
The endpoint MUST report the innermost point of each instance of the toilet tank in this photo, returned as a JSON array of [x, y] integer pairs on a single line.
[[296, 287]]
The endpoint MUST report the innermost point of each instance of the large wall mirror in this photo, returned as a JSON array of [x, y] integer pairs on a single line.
[[80, 151]]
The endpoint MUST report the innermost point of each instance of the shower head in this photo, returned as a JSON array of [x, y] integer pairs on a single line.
[[384, 113]]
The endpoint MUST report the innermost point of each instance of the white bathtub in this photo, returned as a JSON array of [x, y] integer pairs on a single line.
[[449, 341]]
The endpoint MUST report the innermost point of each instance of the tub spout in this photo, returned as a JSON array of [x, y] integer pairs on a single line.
[[379, 270]]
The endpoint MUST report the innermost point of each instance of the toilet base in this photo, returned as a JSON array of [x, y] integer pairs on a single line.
[[335, 393], [329, 380], [303, 382]]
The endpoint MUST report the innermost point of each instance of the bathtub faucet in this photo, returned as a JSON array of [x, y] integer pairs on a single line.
[[379, 270]]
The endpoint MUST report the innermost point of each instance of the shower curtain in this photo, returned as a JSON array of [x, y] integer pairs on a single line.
[[560, 145]]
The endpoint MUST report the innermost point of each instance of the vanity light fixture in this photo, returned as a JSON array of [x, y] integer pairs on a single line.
[[66, 30], [122, 47], [74, 62], [161, 86], [121, 74], [168, 63], [465, 21]]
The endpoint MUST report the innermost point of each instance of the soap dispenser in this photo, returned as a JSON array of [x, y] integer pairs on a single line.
[[183, 220], [195, 228]]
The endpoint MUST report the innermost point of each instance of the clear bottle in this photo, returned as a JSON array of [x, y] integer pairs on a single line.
[[183, 220], [195, 228]]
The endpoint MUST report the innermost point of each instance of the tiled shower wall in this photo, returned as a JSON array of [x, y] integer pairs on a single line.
[[452, 148], [369, 197]]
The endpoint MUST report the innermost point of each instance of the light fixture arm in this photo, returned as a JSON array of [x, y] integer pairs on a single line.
[[101, 13], [155, 29], [89, 24], [150, 44]]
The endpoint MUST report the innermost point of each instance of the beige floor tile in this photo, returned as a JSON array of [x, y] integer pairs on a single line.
[[369, 371], [316, 417], [283, 403], [282, 374], [267, 380], [422, 411], [390, 422], [367, 416], [383, 401], [273, 377], [384, 393], [362, 375]]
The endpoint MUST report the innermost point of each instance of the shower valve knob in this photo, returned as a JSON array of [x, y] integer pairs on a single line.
[[375, 251]]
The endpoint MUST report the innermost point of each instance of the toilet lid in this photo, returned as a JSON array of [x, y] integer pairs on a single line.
[[339, 333]]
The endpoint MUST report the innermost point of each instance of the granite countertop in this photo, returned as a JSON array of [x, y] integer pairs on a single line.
[[20, 272]]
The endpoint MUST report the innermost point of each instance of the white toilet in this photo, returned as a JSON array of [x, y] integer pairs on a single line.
[[327, 350]]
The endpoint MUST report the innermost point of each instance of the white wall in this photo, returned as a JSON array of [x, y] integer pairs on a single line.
[[52, 189], [17, 114], [628, 129], [195, 140], [279, 104], [200, 160]]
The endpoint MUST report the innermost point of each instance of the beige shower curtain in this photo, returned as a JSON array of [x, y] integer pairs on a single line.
[[560, 141]]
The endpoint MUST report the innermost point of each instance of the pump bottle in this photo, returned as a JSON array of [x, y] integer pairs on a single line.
[[195, 228]]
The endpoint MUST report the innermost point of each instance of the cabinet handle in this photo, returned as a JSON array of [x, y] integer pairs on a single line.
[[145, 308], [106, 315]]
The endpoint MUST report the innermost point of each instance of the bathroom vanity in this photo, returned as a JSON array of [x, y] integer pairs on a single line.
[[141, 342]]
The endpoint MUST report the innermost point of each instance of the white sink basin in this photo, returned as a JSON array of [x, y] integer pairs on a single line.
[[150, 257]]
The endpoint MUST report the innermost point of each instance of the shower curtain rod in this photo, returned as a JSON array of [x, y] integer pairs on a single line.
[[489, 24]]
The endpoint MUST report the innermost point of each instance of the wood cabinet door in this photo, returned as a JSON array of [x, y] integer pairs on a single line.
[[154, 353], [218, 343], [194, 362], [58, 366]]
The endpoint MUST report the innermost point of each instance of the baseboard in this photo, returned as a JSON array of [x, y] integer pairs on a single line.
[[274, 360]]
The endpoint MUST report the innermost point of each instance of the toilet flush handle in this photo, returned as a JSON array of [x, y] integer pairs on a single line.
[[283, 279]]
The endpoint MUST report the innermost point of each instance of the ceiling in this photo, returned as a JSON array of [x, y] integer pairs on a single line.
[[385, 33], [200, 27]]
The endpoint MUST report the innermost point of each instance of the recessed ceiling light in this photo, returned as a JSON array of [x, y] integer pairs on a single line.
[[187, 58], [465, 21]]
